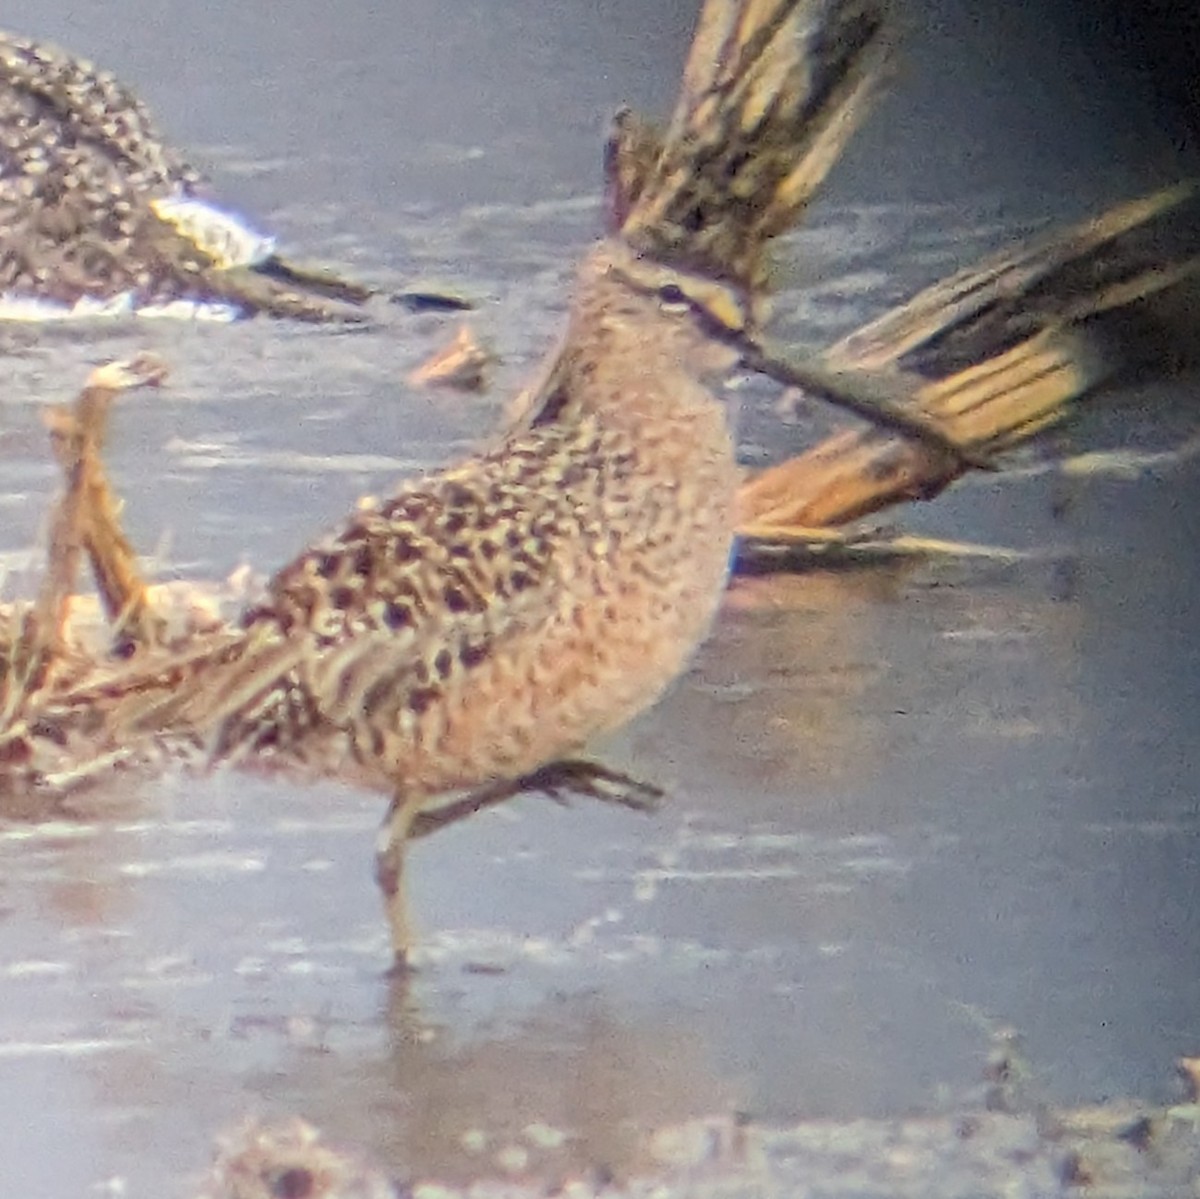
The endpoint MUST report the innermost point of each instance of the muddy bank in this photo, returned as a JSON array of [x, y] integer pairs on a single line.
[[1123, 1150]]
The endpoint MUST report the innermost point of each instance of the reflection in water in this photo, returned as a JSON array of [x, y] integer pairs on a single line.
[[904, 801], [175, 1022], [877, 790], [572, 1087], [812, 671]]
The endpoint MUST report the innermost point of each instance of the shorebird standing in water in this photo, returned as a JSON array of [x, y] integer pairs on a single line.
[[470, 635], [99, 216]]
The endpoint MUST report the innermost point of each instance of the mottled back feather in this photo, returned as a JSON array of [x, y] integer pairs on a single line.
[[496, 615]]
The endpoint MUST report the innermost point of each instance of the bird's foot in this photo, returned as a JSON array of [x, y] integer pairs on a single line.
[[557, 780], [580, 776]]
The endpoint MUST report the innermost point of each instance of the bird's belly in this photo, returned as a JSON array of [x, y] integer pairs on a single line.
[[607, 655]]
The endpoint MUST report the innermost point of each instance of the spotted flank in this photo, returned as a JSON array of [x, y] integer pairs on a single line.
[[100, 217]]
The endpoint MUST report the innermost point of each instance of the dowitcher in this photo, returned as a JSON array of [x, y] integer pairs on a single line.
[[99, 216], [471, 634]]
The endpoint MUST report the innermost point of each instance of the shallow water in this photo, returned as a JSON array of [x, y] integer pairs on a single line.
[[908, 803]]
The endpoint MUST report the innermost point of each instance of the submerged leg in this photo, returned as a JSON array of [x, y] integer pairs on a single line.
[[408, 820], [390, 847]]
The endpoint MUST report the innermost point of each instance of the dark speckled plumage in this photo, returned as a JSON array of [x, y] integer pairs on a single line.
[[491, 618]]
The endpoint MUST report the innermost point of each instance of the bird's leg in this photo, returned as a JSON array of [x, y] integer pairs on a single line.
[[491, 795], [390, 846], [581, 776], [557, 780]]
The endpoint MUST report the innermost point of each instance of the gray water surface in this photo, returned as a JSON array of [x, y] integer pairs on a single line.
[[909, 804]]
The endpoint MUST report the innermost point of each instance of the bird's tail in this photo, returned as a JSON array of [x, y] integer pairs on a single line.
[[772, 91]]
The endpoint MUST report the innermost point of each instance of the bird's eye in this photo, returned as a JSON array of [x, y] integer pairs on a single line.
[[671, 295]]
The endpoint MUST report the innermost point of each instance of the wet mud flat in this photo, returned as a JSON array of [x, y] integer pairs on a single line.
[[1120, 1150], [908, 802]]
